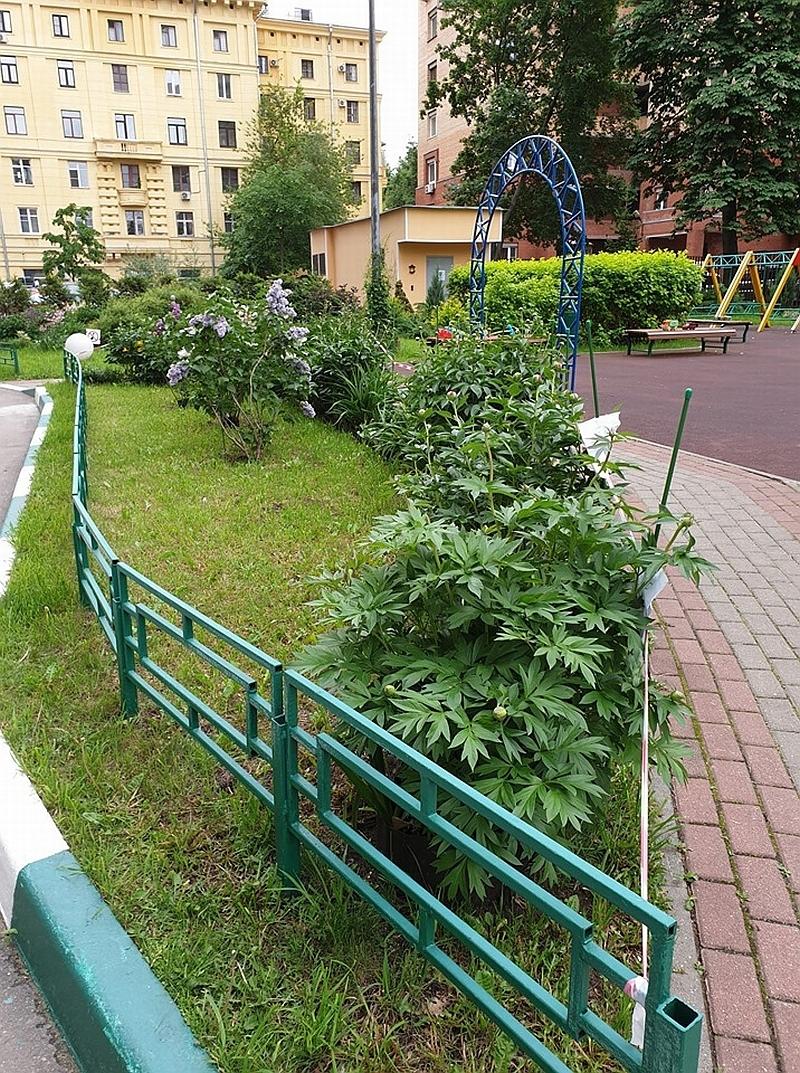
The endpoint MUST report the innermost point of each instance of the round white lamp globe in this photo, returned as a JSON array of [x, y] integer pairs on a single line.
[[79, 345]]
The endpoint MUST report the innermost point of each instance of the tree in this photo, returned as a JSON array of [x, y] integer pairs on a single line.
[[76, 247], [521, 67], [401, 187], [297, 178], [724, 101]]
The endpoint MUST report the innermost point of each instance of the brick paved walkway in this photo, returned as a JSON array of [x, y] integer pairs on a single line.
[[734, 648]]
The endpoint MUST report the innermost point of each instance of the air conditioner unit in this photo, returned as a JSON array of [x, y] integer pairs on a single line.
[[342, 102], [185, 195], [342, 68], [430, 188], [273, 63]]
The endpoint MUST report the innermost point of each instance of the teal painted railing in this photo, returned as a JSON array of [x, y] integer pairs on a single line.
[[301, 766]]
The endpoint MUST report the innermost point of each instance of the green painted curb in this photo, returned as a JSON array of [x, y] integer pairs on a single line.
[[113, 1012]]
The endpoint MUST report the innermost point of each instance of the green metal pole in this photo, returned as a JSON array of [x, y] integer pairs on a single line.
[[595, 396], [687, 398]]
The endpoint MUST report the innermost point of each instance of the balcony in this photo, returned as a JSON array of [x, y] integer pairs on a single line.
[[115, 149], [132, 198]]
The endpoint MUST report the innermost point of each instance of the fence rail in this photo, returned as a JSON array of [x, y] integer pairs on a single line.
[[137, 616]]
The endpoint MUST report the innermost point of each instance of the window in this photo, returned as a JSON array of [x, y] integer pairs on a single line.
[[32, 276], [169, 36], [71, 124], [184, 224], [310, 109], [303, 13], [432, 72], [125, 126], [224, 86], [306, 68], [181, 179], [29, 221], [176, 131], [220, 40], [5, 22], [116, 31], [352, 111], [227, 134], [15, 120], [263, 65], [9, 71], [172, 80], [60, 25], [86, 216], [431, 170], [350, 72], [230, 179], [433, 24], [78, 171], [119, 78], [21, 171], [134, 221], [131, 178], [189, 273], [66, 73], [227, 223], [355, 188], [433, 124], [352, 151], [318, 266], [661, 199]]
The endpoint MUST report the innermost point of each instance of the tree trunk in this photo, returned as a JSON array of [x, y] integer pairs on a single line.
[[730, 237]]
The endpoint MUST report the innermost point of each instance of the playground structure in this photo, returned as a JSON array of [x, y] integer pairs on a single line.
[[741, 282]]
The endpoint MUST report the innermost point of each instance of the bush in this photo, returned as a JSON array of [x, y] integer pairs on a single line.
[[496, 623], [314, 296], [127, 327], [13, 325], [620, 290], [14, 298]]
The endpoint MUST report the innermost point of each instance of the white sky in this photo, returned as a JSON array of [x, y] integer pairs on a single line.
[[397, 59]]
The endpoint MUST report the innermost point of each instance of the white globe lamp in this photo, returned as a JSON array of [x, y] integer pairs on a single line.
[[79, 346]]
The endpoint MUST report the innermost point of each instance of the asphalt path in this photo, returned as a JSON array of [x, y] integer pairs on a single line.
[[745, 407]]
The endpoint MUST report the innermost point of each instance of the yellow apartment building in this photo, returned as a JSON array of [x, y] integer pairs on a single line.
[[139, 109], [330, 64]]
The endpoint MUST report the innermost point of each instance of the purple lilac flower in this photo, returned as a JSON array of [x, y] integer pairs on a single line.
[[160, 327], [301, 367], [175, 308], [278, 300], [297, 335], [178, 371], [222, 327], [307, 409]]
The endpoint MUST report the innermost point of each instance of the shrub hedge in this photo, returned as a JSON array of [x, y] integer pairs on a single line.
[[620, 290]]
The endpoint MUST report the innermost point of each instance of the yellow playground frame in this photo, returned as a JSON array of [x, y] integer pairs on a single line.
[[748, 264]]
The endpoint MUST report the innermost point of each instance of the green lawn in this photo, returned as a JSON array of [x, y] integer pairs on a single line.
[[35, 364], [185, 859]]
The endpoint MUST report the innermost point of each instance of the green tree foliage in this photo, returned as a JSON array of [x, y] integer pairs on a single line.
[[521, 67], [724, 102], [76, 247], [298, 178], [401, 187], [376, 287]]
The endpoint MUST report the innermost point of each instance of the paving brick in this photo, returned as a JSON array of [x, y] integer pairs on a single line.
[[669, 607], [789, 746], [713, 640], [776, 646], [695, 802], [750, 657], [688, 652], [698, 676], [695, 765], [692, 600], [743, 1056], [733, 782], [726, 666], [720, 923], [764, 884], [708, 707], [684, 730], [782, 616], [766, 765], [782, 808], [734, 629], [706, 853], [720, 742], [751, 729], [789, 849], [677, 627], [778, 947], [761, 625], [662, 662], [765, 684], [786, 1017], [747, 830], [734, 997], [738, 696], [702, 620], [788, 670], [780, 714]]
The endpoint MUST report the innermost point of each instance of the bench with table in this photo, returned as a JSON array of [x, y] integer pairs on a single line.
[[9, 355], [720, 322], [709, 338]]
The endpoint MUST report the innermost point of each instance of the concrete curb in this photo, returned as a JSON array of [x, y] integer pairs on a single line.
[[23, 485]]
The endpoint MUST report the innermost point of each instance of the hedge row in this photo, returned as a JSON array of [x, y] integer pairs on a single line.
[[620, 290]]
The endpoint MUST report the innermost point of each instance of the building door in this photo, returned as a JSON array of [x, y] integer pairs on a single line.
[[438, 266]]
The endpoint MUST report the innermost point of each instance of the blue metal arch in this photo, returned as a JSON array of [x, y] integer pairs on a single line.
[[538, 155]]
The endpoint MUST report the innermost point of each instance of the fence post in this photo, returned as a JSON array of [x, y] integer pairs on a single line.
[[129, 697], [284, 767]]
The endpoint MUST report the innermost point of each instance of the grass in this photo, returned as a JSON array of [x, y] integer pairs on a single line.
[[35, 364], [185, 859], [410, 350]]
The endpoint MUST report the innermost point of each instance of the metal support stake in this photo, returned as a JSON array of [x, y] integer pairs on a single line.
[[595, 397], [284, 769], [687, 398], [129, 697]]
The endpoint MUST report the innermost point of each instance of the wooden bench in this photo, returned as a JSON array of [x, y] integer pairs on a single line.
[[709, 338], [9, 355], [719, 322]]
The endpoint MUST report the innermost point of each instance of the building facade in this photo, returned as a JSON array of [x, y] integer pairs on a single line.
[[138, 111]]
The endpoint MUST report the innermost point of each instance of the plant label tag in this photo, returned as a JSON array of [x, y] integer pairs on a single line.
[[652, 589]]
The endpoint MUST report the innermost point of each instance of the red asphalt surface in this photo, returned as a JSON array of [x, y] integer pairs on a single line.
[[745, 407]]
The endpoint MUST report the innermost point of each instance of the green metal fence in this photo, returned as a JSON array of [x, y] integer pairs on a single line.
[[139, 617]]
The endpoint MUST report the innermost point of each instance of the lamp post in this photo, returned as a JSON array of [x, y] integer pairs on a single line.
[[375, 220]]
